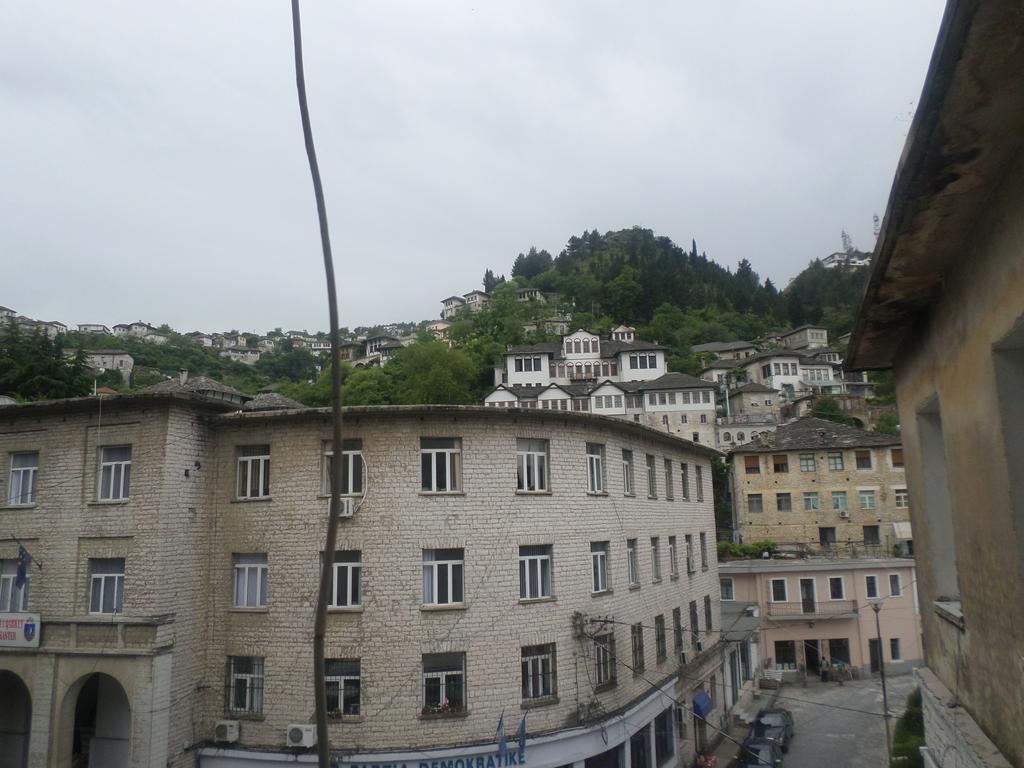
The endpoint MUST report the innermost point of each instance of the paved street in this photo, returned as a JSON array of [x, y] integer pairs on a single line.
[[838, 738]]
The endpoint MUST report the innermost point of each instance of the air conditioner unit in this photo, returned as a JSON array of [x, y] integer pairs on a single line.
[[301, 735], [844, 513], [346, 506], [226, 731]]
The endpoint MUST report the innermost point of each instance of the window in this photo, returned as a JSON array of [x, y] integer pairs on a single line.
[[595, 468], [442, 576], [872, 535], [863, 459], [604, 659], [599, 564], [785, 654], [895, 588], [754, 503], [839, 501], [636, 634], [836, 588], [677, 628], [894, 649], [727, 437], [347, 571], [12, 597], [660, 641], [835, 461], [700, 481], [780, 463], [351, 467], [691, 566], [531, 465], [670, 492], [115, 472], [811, 502], [673, 562], [652, 487], [704, 551], [779, 592], [752, 464], [664, 744], [534, 572], [538, 671], [632, 566], [655, 558], [250, 581], [627, 472], [444, 682], [694, 624], [440, 464], [902, 498], [807, 463], [866, 498], [24, 473], [897, 457], [106, 585], [727, 588], [707, 613], [703, 418], [871, 586], [342, 681], [696, 438], [245, 685], [783, 502], [685, 474], [253, 471]]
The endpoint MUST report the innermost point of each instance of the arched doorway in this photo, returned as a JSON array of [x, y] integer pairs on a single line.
[[102, 724], [15, 721]]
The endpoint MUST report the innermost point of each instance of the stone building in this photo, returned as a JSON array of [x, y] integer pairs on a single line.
[[819, 609], [822, 485], [559, 565], [944, 309]]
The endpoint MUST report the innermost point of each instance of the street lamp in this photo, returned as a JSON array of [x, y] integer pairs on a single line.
[[877, 607]]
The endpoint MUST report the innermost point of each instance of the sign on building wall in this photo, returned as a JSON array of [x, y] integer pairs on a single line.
[[19, 630]]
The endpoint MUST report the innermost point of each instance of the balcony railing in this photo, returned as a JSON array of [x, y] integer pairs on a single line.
[[804, 609]]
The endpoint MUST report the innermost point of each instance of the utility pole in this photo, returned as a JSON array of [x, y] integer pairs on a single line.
[[877, 607], [323, 745]]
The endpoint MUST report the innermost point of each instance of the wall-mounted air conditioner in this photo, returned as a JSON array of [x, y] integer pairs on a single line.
[[226, 731], [301, 735], [346, 506]]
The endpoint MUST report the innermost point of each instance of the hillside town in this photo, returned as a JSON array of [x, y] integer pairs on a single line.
[[626, 508]]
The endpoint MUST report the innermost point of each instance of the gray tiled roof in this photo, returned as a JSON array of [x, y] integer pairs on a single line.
[[751, 387], [813, 433], [271, 401], [197, 384], [721, 346]]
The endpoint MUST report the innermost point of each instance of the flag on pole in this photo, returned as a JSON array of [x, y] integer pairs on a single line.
[[24, 560], [522, 735], [502, 742]]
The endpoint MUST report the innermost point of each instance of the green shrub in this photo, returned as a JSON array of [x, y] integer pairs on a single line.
[[909, 735]]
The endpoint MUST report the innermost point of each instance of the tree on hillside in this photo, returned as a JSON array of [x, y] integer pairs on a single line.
[[491, 282], [430, 372], [33, 366], [828, 408], [532, 263]]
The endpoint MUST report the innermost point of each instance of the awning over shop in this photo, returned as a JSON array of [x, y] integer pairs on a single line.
[[902, 531], [702, 704]]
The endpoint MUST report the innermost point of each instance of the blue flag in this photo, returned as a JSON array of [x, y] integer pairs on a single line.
[[502, 743], [522, 736], [24, 560]]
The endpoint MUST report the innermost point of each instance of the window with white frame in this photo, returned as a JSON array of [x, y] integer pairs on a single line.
[[442, 576], [902, 498], [343, 683], [253, 471], [866, 498], [440, 464], [106, 585], [673, 561], [538, 671], [636, 635], [599, 565], [627, 472], [250, 581], [807, 463], [24, 474], [534, 572], [444, 682], [652, 481], [811, 501], [245, 685], [670, 491], [604, 659], [835, 461], [351, 467], [12, 597], [632, 565], [839, 503], [871, 586], [895, 588], [531, 465], [691, 564], [115, 472], [727, 588], [779, 592], [836, 588], [655, 558], [347, 588], [595, 468]]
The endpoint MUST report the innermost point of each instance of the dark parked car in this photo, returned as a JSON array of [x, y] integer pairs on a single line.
[[759, 753], [774, 724]]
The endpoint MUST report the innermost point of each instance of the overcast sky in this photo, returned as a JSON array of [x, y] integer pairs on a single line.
[[152, 164]]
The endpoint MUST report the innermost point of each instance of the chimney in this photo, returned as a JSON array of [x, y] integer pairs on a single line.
[[182, 376]]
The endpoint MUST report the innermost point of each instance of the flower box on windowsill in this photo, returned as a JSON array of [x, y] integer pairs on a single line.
[[442, 711]]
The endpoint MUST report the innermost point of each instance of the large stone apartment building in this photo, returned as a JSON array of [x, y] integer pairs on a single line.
[[554, 564], [822, 485]]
